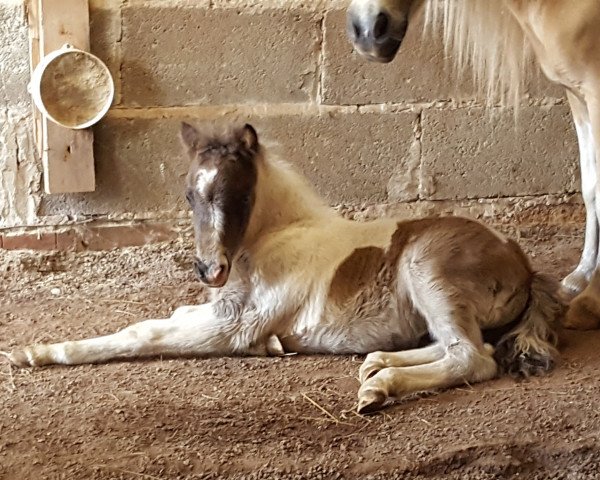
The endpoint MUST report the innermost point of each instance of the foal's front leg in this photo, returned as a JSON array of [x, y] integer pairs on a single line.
[[458, 355], [377, 361], [460, 363], [191, 331]]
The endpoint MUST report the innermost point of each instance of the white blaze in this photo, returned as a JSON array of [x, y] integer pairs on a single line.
[[205, 179]]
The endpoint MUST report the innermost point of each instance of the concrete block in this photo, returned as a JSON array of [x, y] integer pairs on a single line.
[[419, 73], [469, 154], [105, 40], [351, 158], [191, 56], [20, 169], [14, 56]]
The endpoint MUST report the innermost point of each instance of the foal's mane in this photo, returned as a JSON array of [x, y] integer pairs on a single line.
[[483, 35]]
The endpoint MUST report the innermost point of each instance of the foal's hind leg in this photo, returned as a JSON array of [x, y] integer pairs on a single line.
[[577, 280], [459, 355]]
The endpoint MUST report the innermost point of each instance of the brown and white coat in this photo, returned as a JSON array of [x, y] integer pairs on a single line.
[[291, 275]]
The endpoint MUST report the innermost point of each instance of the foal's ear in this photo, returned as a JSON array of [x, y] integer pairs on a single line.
[[190, 137], [249, 138]]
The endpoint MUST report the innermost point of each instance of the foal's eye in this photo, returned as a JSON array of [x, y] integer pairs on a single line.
[[189, 196], [245, 202]]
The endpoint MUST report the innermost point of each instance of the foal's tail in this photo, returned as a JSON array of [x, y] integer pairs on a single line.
[[530, 347]]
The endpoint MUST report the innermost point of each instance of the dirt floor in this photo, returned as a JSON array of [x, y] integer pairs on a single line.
[[262, 418]]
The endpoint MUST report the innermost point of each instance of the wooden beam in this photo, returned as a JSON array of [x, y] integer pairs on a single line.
[[67, 155]]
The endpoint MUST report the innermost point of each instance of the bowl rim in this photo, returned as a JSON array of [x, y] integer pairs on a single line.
[[43, 66]]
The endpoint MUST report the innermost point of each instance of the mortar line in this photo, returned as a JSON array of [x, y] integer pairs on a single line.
[[321, 61], [311, 108], [419, 139], [549, 200]]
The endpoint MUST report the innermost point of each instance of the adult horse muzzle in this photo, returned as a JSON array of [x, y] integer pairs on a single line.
[[376, 37]]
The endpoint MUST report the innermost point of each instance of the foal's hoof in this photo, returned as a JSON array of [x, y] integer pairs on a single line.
[[374, 363], [370, 400], [18, 358], [372, 395]]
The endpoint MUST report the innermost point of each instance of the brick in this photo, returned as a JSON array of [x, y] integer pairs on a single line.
[[69, 240], [468, 154], [350, 157], [29, 241], [14, 56], [119, 236], [108, 237], [418, 73], [191, 56]]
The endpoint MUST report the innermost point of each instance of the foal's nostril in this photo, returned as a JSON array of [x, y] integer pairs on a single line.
[[200, 269], [381, 27]]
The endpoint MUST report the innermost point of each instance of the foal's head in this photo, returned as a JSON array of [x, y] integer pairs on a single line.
[[221, 191], [377, 27]]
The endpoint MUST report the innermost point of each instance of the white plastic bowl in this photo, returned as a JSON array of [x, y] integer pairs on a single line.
[[71, 87]]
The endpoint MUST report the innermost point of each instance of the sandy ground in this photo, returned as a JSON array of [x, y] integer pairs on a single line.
[[262, 418]]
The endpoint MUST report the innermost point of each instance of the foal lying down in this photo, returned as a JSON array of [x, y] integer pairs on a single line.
[[290, 275]]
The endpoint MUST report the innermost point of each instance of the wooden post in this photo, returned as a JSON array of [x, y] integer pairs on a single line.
[[67, 155]]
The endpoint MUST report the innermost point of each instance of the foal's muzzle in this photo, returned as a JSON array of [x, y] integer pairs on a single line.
[[214, 274]]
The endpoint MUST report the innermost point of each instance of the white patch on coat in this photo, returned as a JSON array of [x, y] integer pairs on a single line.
[[204, 179]]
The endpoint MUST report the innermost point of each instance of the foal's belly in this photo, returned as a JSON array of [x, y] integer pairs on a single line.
[[347, 335]]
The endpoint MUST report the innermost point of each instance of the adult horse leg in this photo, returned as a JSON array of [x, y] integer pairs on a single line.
[[190, 331], [584, 310], [577, 280]]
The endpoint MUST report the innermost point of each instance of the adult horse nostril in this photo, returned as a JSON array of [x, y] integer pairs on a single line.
[[381, 27], [356, 30]]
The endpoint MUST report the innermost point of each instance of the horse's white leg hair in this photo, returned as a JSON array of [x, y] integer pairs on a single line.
[[450, 321], [577, 280], [584, 310], [377, 361], [594, 115], [190, 331], [460, 363]]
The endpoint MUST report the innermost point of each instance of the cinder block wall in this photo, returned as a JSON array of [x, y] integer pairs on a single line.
[[401, 135]]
